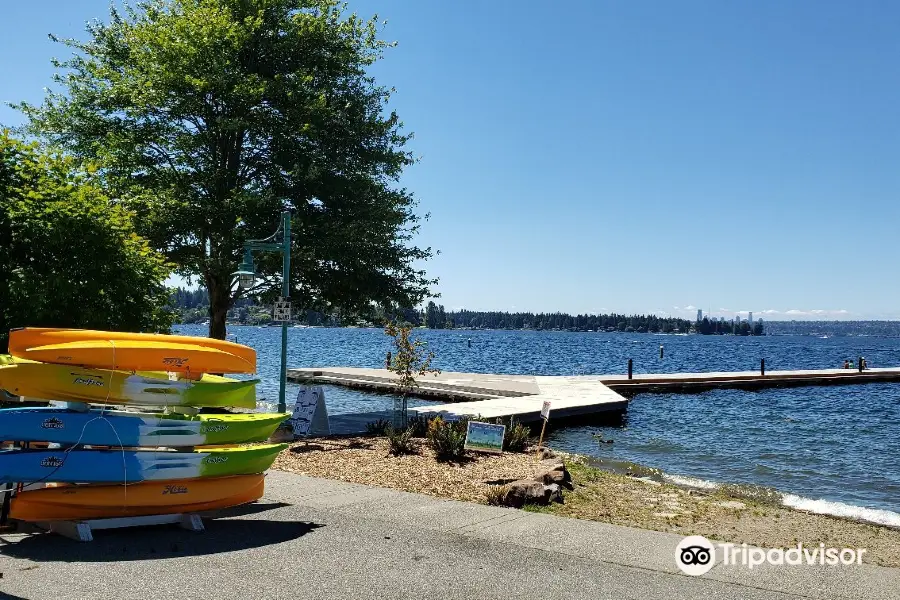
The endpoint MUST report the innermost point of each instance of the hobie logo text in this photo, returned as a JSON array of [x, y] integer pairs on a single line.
[[52, 462], [214, 428]]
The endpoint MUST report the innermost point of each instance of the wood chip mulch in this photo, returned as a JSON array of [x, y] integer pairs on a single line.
[[366, 460]]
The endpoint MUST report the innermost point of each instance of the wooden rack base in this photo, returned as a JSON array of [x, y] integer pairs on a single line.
[[81, 531]]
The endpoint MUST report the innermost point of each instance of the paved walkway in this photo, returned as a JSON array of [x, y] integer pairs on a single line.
[[316, 538]]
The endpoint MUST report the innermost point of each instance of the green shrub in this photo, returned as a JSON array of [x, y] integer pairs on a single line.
[[400, 441], [516, 437], [496, 495], [378, 427], [447, 438], [419, 425]]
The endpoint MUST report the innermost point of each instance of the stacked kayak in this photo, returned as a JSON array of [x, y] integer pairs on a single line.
[[132, 466], [131, 351], [99, 462], [131, 429], [77, 502], [101, 386]]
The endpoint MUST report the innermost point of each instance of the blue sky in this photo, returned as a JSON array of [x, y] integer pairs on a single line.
[[628, 156]]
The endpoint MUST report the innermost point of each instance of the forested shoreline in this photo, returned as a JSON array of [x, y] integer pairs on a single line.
[[192, 306]]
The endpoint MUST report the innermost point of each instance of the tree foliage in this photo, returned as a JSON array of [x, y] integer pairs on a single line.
[[409, 361], [435, 317], [71, 256], [209, 117]]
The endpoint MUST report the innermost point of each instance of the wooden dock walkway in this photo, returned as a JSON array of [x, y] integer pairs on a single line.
[[749, 380], [486, 395], [568, 396], [521, 396]]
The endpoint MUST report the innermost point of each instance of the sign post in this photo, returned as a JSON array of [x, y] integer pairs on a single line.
[[282, 312], [545, 415]]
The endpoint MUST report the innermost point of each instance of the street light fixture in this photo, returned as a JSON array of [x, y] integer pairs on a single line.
[[280, 241], [246, 273]]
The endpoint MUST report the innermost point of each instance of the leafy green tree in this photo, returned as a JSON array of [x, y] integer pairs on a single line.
[[71, 255], [210, 117], [409, 361]]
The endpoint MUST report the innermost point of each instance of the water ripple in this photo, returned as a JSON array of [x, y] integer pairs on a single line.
[[834, 444]]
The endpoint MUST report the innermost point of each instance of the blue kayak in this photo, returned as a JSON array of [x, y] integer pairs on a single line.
[[131, 466], [133, 429]]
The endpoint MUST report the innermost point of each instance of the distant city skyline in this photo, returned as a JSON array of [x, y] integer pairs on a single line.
[[636, 158]]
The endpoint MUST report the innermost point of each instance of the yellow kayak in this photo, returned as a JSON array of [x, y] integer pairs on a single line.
[[95, 346], [102, 386], [128, 355]]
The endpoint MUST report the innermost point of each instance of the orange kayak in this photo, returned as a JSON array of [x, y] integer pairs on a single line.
[[79, 502], [23, 338], [132, 355]]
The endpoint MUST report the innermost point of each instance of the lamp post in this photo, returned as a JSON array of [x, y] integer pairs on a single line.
[[246, 275]]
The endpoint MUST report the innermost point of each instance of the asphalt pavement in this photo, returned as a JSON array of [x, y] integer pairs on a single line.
[[319, 538]]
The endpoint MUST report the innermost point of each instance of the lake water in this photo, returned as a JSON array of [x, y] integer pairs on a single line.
[[830, 449]]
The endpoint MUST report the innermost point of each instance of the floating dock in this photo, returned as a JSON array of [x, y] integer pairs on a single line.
[[747, 380], [522, 396], [486, 396]]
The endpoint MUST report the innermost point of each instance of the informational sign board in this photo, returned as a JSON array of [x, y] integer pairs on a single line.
[[282, 312], [310, 415], [545, 410], [486, 437]]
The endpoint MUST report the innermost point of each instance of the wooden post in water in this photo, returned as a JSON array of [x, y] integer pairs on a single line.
[[630, 365], [660, 350], [762, 366]]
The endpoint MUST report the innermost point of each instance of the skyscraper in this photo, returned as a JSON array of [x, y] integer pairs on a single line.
[[699, 314], [750, 317]]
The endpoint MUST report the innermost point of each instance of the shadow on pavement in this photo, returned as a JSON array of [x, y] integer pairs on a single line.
[[158, 542], [245, 509]]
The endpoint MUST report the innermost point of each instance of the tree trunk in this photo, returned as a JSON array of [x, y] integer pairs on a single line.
[[219, 303]]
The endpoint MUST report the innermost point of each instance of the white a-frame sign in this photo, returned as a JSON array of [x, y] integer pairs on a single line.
[[310, 415]]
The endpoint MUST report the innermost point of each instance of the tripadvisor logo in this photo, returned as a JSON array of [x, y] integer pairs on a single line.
[[696, 555]]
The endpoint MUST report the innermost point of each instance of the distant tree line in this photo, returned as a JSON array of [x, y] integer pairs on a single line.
[[435, 316], [181, 298], [718, 327], [193, 307]]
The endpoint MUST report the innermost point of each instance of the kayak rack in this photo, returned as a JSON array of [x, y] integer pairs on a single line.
[[81, 531]]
